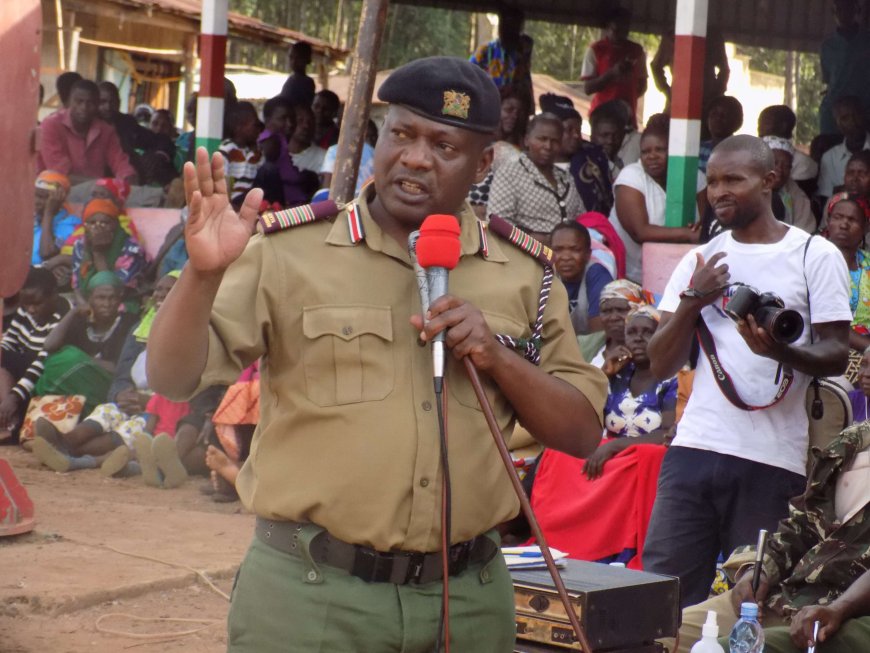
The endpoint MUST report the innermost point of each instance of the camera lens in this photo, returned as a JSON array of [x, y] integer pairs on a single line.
[[742, 303], [784, 325]]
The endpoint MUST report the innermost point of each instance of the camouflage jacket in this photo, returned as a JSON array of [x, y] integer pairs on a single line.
[[813, 558]]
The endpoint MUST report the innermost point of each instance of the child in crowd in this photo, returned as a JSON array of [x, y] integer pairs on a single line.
[[40, 310], [278, 177], [242, 157]]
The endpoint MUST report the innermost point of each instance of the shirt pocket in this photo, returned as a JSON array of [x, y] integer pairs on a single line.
[[460, 385], [347, 354]]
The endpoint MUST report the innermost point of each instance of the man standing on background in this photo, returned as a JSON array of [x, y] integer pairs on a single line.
[[299, 87], [347, 555], [845, 70], [740, 450], [614, 67], [76, 142]]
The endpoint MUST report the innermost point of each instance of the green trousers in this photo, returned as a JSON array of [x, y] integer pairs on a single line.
[[853, 636], [285, 604]]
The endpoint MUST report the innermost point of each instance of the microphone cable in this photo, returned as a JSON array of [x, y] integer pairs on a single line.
[[446, 517]]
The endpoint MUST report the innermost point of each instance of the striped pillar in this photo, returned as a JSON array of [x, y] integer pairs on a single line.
[[687, 93], [213, 55]]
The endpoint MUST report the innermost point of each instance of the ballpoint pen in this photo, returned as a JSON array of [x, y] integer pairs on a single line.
[[812, 648]]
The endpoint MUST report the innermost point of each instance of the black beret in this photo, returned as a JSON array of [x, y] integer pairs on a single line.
[[559, 105], [447, 90]]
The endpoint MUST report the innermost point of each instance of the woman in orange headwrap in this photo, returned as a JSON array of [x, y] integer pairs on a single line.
[[53, 223], [106, 246]]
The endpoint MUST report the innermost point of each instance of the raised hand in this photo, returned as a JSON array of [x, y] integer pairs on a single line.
[[215, 235]]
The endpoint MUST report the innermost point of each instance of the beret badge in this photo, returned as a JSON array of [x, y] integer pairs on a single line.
[[456, 104]]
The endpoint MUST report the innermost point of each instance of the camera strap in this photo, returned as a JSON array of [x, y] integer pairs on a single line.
[[723, 379]]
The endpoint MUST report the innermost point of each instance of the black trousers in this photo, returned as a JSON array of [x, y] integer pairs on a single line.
[[707, 503]]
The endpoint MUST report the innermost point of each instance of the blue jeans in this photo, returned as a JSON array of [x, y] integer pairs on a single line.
[[707, 503]]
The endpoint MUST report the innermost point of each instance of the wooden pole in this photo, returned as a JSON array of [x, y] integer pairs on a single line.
[[359, 97]]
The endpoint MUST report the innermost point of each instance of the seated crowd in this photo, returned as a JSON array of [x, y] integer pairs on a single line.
[[73, 387]]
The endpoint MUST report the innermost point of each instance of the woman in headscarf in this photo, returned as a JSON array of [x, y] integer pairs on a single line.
[[569, 493], [85, 346], [116, 191], [616, 300], [53, 222], [107, 247], [848, 217]]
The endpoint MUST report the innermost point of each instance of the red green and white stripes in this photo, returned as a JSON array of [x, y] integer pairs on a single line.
[[687, 93], [213, 53]]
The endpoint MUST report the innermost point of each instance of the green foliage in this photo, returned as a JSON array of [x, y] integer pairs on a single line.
[[559, 49]]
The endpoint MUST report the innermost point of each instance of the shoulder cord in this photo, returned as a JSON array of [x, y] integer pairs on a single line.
[[817, 411], [530, 347]]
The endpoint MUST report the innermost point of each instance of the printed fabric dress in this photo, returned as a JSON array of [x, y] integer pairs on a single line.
[[606, 519]]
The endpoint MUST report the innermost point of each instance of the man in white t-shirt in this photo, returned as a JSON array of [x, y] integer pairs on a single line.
[[731, 470]]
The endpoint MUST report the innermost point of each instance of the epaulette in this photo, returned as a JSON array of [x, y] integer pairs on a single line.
[[272, 221], [531, 246]]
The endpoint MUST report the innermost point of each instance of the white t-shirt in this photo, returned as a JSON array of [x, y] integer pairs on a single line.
[[634, 176], [774, 436], [311, 158]]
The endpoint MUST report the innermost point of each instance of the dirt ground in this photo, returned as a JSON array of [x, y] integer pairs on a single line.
[[116, 555]]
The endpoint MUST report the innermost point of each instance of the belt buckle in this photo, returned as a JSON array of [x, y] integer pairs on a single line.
[[416, 564], [372, 566]]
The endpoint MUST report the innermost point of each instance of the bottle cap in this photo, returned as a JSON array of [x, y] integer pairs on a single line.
[[711, 626], [749, 610]]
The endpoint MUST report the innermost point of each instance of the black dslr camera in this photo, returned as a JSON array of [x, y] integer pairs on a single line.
[[784, 325]]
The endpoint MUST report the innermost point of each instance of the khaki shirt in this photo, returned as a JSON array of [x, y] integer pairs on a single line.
[[348, 432]]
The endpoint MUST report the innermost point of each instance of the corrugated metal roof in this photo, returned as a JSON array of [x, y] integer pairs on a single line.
[[780, 24], [238, 24]]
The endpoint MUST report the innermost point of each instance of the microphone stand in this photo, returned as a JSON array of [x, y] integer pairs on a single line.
[[524, 503]]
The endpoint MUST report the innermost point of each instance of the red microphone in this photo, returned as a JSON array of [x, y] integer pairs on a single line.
[[438, 249]]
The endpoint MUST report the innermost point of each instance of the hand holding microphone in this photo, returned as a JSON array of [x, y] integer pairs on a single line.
[[467, 333]]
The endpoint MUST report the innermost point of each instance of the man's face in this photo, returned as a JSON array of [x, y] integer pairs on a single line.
[[782, 166], [571, 136], [299, 60], [82, 107], [304, 132], [424, 167], [324, 111], [720, 122], [737, 189], [161, 124], [510, 114], [608, 134], [109, 104], [857, 178], [849, 120], [280, 122], [570, 254], [161, 290], [845, 13], [38, 304], [543, 144], [617, 30]]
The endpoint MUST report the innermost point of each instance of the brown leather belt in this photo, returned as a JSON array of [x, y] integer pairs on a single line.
[[397, 567]]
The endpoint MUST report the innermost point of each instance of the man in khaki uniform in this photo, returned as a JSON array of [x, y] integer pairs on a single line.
[[344, 472]]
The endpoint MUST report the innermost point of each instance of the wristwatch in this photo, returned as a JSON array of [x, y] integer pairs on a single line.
[[693, 293]]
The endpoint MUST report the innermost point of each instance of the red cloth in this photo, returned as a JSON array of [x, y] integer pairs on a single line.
[[63, 150], [599, 222], [168, 413], [591, 520], [625, 87]]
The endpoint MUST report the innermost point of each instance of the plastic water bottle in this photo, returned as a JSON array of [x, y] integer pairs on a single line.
[[709, 636], [747, 636]]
